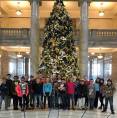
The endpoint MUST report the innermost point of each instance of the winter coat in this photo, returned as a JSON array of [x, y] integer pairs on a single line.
[[83, 91], [47, 88], [15, 83], [97, 87], [70, 87], [109, 90], [22, 91], [4, 90], [9, 84], [38, 88], [92, 92]]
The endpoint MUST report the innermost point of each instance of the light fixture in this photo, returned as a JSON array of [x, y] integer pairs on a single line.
[[18, 11], [100, 56], [27, 52], [92, 53], [101, 13], [0, 55], [19, 55]]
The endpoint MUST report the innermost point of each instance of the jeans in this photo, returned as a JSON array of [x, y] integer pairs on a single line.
[[15, 101], [38, 100], [1, 101], [31, 99], [5, 98], [54, 99], [23, 102], [63, 99], [110, 100], [70, 97], [48, 97], [9, 100], [96, 99], [91, 103], [101, 100]]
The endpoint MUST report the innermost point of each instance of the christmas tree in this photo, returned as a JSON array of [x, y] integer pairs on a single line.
[[59, 55]]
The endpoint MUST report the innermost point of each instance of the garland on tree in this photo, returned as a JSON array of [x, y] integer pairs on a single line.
[[59, 55]]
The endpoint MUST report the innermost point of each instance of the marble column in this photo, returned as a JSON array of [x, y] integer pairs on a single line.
[[84, 38], [90, 65], [34, 38], [4, 64], [26, 61], [114, 67]]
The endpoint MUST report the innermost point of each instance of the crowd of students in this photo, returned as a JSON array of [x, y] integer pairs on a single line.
[[57, 93]]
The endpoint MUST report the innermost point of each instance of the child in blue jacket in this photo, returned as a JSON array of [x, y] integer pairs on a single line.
[[47, 90]]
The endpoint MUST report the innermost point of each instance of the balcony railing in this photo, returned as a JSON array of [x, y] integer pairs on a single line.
[[14, 36], [22, 35], [14, 33]]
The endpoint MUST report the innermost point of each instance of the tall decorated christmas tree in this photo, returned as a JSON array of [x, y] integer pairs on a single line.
[[59, 55]]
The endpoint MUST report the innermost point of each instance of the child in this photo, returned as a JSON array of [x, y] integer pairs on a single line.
[[97, 89], [101, 96], [4, 91], [83, 94], [109, 91], [63, 96], [91, 94], [47, 91], [70, 89], [22, 92]]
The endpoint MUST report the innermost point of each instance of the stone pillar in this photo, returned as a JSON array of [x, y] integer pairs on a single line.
[[34, 38], [4, 63], [90, 65], [17, 66], [114, 67], [84, 37], [26, 61], [103, 65]]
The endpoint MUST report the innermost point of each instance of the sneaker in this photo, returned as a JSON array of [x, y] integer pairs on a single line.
[[6, 109], [100, 107], [112, 112], [15, 108], [104, 111]]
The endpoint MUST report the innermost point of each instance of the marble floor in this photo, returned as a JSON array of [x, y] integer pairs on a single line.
[[55, 114], [59, 113]]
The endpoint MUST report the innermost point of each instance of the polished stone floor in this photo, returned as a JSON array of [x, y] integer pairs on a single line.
[[59, 113], [55, 114]]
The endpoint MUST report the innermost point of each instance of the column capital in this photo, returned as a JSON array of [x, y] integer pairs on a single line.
[[81, 1], [38, 2]]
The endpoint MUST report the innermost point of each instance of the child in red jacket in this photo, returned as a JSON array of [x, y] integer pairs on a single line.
[[70, 87], [22, 92]]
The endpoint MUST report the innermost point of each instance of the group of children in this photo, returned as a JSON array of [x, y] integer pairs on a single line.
[[59, 93]]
